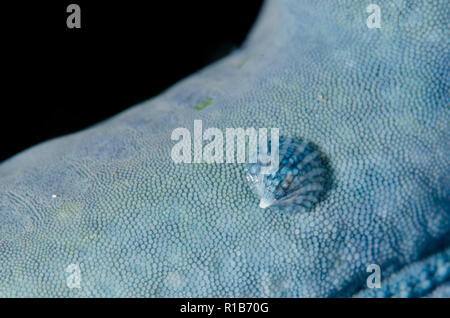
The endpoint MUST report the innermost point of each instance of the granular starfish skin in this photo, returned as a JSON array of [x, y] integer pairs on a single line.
[[110, 199]]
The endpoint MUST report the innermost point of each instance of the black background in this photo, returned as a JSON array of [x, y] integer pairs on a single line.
[[170, 307], [58, 80]]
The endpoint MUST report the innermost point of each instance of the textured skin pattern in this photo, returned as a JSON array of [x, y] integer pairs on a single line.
[[417, 279], [374, 100]]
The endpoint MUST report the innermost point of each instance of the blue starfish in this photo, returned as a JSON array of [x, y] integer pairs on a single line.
[[110, 200]]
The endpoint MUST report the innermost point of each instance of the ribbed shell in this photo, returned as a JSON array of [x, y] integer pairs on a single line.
[[299, 180]]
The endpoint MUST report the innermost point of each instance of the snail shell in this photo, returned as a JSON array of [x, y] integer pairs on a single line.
[[298, 181]]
